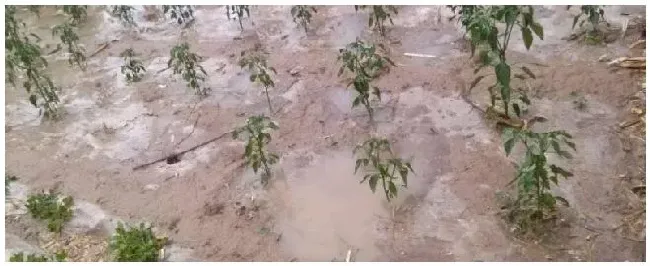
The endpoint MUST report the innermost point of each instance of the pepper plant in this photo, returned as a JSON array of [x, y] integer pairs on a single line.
[[182, 14], [132, 67], [124, 14], [233, 12], [136, 244], [480, 22], [186, 63], [257, 65], [257, 132], [594, 15], [51, 208], [78, 14], [302, 15], [69, 37], [365, 64], [23, 54], [382, 166], [377, 18], [535, 203]]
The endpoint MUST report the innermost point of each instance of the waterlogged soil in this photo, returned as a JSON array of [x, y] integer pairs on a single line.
[[314, 208]]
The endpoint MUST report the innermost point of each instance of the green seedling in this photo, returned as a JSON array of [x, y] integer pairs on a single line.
[[8, 179], [382, 166], [186, 63], [78, 14], [182, 14], [23, 54], [535, 204], [302, 15], [136, 244], [579, 102], [55, 210], [69, 37], [257, 65], [480, 22], [257, 132], [132, 68], [124, 14], [378, 17], [592, 14], [237, 12], [365, 64], [21, 257]]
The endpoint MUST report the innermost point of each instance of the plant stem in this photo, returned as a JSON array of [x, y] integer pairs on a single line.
[[268, 100]]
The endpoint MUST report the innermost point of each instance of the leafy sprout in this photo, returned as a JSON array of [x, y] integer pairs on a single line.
[[237, 12], [22, 54], [362, 60], [257, 132], [51, 208], [378, 16], [8, 180], [182, 14], [132, 67], [124, 14], [257, 65], [302, 15], [70, 38], [136, 244], [186, 63], [534, 202], [382, 166]]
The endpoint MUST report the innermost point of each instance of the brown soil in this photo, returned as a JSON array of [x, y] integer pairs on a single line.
[[314, 209]]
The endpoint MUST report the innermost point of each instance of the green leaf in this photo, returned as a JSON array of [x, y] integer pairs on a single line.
[[527, 36], [516, 108], [563, 200], [502, 71], [32, 99], [547, 200], [565, 154], [357, 165], [392, 188], [538, 29], [558, 170], [575, 20], [373, 182], [570, 144], [509, 138]]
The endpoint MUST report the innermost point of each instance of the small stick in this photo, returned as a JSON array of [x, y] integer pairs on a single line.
[[347, 258], [182, 152]]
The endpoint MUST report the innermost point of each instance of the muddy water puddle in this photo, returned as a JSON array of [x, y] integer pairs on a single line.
[[328, 211]]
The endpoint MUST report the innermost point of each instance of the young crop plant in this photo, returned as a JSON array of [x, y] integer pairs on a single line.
[[377, 18], [257, 132], [186, 63], [124, 14], [382, 166], [8, 179], [22, 257], [52, 208], [132, 68], [69, 37], [182, 14], [78, 14], [237, 12], [365, 64], [480, 23], [534, 203], [136, 244], [23, 54], [257, 65], [302, 15]]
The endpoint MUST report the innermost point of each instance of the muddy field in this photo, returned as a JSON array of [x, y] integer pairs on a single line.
[[314, 209]]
